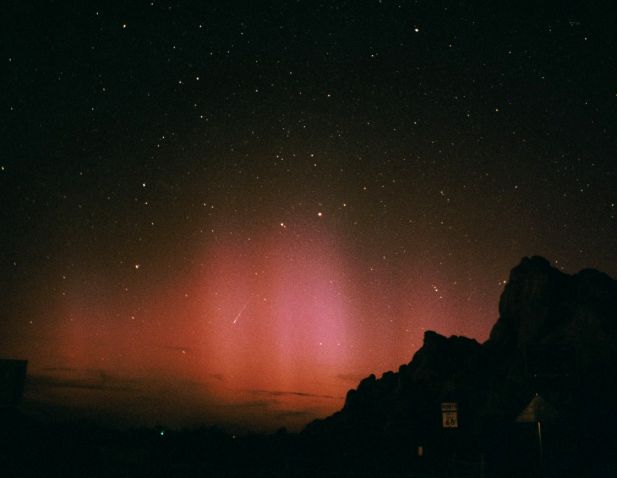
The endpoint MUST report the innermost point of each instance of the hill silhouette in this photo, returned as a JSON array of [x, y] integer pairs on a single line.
[[554, 344]]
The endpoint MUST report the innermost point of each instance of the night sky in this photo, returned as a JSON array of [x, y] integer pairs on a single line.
[[231, 212]]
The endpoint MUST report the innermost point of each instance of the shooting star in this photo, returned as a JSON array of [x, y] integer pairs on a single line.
[[242, 311]]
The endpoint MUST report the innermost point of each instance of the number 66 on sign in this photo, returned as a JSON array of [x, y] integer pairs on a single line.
[[449, 415]]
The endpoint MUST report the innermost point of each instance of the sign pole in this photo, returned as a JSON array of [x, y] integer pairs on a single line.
[[540, 439], [541, 447]]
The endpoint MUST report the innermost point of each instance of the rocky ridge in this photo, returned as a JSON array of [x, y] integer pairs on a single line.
[[556, 336]]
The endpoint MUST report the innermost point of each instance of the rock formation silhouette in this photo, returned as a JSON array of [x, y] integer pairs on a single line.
[[538, 398], [555, 338]]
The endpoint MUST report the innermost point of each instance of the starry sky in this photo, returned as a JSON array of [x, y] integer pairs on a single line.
[[231, 212]]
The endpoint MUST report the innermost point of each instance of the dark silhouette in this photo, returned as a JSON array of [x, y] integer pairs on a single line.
[[12, 378], [537, 399], [556, 338]]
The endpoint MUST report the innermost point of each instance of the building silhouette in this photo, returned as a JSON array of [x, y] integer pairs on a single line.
[[12, 380]]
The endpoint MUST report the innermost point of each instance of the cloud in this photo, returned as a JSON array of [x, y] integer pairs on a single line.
[[59, 369], [279, 393], [252, 404], [295, 414], [218, 376], [79, 379]]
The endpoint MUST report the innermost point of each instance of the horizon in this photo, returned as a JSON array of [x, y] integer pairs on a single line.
[[229, 214], [247, 424]]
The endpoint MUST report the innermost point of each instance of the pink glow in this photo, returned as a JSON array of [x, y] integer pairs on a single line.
[[263, 332]]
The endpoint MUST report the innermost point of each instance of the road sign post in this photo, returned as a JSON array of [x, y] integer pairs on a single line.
[[449, 415]]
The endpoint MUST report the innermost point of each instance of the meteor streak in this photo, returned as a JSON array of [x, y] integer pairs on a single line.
[[242, 310]]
